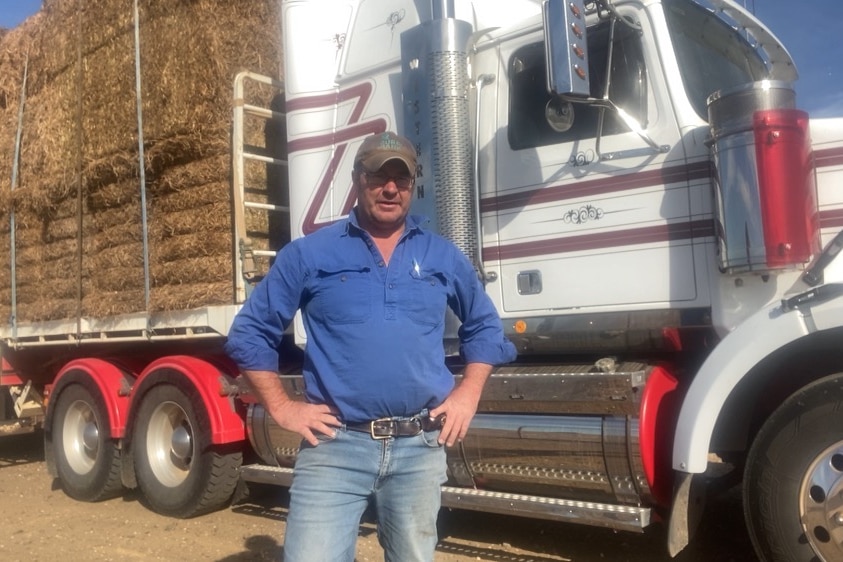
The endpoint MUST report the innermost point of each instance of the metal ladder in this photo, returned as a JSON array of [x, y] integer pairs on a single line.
[[245, 266]]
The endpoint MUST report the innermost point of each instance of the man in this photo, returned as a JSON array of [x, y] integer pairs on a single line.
[[373, 291]]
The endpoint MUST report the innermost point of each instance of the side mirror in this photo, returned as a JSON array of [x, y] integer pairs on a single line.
[[566, 48]]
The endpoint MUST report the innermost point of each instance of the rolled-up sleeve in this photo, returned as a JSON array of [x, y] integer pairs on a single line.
[[258, 328], [482, 339]]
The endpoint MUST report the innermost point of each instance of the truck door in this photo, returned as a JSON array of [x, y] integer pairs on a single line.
[[573, 223]]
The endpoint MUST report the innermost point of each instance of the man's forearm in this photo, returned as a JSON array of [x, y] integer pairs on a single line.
[[474, 379], [269, 390]]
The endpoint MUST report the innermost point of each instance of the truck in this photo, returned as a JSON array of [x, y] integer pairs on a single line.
[[657, 223]]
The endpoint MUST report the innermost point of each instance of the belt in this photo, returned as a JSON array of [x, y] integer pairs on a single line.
[[397, 427]]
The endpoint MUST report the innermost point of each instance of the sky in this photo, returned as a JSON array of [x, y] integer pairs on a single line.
[[809, 29]]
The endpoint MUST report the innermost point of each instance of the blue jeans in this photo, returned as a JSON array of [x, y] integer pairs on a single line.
[[334, 482]]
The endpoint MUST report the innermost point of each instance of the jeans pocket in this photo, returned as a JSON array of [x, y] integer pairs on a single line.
[[323, 438], [431, 438]]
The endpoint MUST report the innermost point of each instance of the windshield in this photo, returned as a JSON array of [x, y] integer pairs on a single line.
[[712, 56]]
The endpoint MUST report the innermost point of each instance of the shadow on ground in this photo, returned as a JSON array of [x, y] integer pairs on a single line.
[[22, 448], [468, 535]]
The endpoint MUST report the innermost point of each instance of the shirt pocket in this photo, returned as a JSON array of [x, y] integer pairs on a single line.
[[342, 296], [427, 297]]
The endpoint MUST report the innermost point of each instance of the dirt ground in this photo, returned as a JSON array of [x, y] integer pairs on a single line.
[[40, 523]]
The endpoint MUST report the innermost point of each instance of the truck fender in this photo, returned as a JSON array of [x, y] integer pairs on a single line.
[[112, 382], [209, 380], [769, 329]]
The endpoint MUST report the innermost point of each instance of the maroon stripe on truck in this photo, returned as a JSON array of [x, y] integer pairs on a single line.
[[662, 233], [828, 157], [586, 188], [339, 139], [362, 91], [831, 219]]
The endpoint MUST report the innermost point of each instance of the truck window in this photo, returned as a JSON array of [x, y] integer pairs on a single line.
[[712, 56], [528, 127]]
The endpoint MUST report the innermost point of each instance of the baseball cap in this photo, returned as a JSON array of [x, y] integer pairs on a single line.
[[380, 148]]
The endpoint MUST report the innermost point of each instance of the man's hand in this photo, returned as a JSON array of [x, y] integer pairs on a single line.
[[298, 417], [306, 419], [461, 405]]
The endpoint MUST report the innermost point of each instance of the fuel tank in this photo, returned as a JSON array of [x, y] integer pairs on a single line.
[[556, 431]]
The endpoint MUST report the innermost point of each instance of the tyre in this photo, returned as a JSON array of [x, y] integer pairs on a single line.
[[794, 478], [178, 470], [87, 459]]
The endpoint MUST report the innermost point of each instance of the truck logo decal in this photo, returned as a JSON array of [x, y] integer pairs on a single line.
[[339, 41], [582, 158], [339, 138], [395, 18], [583, 215]]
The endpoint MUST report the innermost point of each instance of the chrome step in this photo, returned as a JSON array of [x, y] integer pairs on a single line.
[[621, 517], [263, 474]]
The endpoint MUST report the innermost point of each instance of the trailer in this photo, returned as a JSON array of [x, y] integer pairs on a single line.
[[655, 219]]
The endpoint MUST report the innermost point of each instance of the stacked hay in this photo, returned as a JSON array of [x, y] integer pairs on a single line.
[[77, 205]]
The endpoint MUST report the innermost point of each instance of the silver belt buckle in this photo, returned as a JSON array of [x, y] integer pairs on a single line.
[[372, 429]]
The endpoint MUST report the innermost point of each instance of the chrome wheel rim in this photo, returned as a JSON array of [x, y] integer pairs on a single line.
[[821, 503], [80, 437], [169, 444]]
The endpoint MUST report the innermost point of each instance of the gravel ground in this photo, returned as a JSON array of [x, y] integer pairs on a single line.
[[40, 523]]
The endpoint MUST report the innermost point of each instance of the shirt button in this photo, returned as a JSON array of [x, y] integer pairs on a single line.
[[380, 264], [391, 285], [343, 278]]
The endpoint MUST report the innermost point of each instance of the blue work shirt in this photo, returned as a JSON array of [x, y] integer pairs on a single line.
[[374, 331]]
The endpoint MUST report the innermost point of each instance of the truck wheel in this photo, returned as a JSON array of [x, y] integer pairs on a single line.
[[87, 459], [179, 471], [794, 478]]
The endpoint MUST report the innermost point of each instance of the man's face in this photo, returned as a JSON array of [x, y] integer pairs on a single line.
[[384, 197]]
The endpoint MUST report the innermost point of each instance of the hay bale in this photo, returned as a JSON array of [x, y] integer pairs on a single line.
[[100, 304], [192, 295], [79, 152]]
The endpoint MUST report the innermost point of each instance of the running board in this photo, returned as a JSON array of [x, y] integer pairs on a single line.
[[621, 517]]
